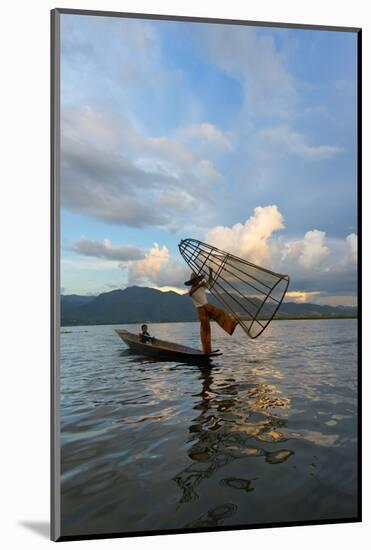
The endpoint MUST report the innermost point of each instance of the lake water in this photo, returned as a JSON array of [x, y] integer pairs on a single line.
[[266, 433]]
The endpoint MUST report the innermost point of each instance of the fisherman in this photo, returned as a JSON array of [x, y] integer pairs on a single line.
[[145, 336], [207, 311]]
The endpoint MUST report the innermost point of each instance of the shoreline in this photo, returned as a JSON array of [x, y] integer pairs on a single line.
[[196, 321]]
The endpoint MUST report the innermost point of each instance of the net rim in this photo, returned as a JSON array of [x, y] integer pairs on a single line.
[[283, 278]]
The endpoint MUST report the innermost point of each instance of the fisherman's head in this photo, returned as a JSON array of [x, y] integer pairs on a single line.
[[144, 328], [194, 279]]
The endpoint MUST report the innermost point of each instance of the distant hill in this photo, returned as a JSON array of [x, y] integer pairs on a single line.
[[131, 305], [148, 305]]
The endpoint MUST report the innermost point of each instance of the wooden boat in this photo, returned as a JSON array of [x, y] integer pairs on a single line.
[[162, 348]]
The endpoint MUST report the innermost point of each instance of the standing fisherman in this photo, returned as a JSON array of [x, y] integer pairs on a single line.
[[207, 311]]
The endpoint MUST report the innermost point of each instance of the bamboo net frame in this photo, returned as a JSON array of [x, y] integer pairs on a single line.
[[251, 294]]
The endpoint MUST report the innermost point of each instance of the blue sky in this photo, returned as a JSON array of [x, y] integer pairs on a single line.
[[240, 136]]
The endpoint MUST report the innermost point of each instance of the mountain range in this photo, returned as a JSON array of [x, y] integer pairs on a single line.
[[148, 305]]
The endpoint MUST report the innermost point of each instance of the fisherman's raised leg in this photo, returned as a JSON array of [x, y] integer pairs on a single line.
[[224, 320]]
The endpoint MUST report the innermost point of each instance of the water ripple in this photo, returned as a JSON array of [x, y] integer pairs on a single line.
[[265, 433]]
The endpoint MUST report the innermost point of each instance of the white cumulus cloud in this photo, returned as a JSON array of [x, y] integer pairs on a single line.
[[314, 249], [251, 239], [352, 241], [148, 268], [157, 269], [317, 264]]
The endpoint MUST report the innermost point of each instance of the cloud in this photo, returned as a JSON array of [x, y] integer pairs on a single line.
[[114, 172], [172, 274], [317, 262], [171, 289], [251, 239], [318, 266], [157, 269], [207, 133], [352, 241], [103, 186], [311, 251], [106, 250], [88, 125], [253, 57], [295, 143], [316, 252], [154, 267], [148, 268], [131, 56], [206, 170], [314, 262], [302, 297]]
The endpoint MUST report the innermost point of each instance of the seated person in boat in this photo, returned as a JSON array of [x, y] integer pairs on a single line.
[[206, 311], [145, 336]]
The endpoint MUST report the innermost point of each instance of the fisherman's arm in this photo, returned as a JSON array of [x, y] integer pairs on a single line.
[[210, 279]]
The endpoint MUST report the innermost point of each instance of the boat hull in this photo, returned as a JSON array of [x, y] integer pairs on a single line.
[[162, 348]]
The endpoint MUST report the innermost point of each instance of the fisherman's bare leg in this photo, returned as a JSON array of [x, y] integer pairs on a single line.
[[205, 329]]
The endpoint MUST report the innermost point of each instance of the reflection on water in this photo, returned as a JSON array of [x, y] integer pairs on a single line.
[[215, 516], [264, 433], [231, 424]]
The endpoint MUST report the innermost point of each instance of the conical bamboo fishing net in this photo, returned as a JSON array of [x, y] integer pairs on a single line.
[[251, 294]]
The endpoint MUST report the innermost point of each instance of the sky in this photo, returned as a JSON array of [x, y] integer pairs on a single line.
[[243, 137]]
